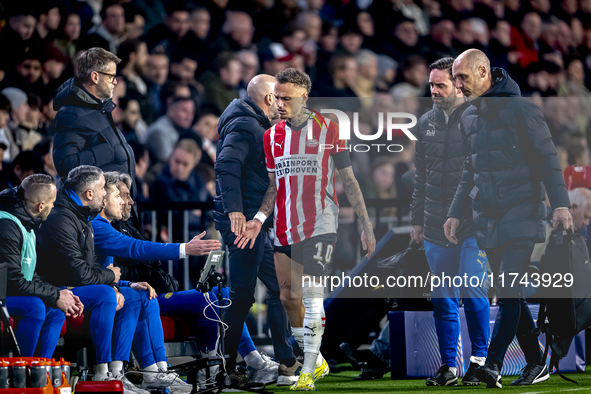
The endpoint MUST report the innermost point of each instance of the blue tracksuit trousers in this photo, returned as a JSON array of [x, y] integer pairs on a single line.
[[39, 326], [111, 331], [458, 260]]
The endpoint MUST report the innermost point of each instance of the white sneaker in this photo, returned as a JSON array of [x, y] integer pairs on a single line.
[[267, 373], [269, 360], [163, 379], [128, 387]]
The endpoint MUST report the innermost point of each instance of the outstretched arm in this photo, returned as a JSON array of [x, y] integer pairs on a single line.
[[355, 197]]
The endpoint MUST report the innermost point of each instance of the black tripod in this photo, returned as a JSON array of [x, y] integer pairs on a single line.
[[213, 279], [222, 380], [5, 319]]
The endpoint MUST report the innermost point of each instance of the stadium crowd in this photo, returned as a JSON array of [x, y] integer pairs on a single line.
[[172, 68]]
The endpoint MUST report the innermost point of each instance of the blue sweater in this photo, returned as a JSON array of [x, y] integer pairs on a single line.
[[109, 243]]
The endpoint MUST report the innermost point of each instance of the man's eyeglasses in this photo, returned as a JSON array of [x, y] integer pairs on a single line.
[[109, 75]]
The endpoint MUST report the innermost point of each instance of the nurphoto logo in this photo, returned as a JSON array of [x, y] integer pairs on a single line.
[[393, 123]]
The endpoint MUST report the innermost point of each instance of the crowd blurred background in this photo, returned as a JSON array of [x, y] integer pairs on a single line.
[[208, 50]]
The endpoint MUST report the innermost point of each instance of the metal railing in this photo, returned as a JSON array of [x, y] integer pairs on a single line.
[[154, 213]]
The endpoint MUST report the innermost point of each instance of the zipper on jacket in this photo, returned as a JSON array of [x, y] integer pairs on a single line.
[[444, 173]]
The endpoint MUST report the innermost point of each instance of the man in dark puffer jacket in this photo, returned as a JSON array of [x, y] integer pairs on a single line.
[[85, 131], [512, 163], [241, 183], [439, 154]]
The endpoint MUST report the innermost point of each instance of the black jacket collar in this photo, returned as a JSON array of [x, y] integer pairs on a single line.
[[82, 212], [13, 202]]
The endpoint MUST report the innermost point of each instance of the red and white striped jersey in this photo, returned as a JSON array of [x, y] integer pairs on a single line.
[[306, 204]]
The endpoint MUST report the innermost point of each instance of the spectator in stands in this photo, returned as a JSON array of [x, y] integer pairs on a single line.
[[167, 37], [200, 24], [47, 117], [311, 23], [293, 39], [27, 75], [343, 70], [171, 90], [237, 30], [148, 341], [156, 75], [386, 73], [135, 21], [25, 164], [383, 185], [222, 88], [580, 200], [414, 77], [165, 132], [350, 39], [134, 57], [177, 182], [54, 64], [49, 21], [130, 119], [183, 66], [38, 307], [68, 36], [206, 127], [44, 150], [366, 26], [367, 69], [85, 132], [142, 162], [19, 36], [440, 40], [525, 39], [274, 58], [250, 66], [109, 34], [19, 107], [25, 120], [65, 248], [5, 134], [465, 37], [574, 83], [405, 42], [180, 182]]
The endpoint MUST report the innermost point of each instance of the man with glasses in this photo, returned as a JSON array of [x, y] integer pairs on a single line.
[[85, 131]]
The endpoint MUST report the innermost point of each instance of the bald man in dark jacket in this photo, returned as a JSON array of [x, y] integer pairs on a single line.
[[512, 164]]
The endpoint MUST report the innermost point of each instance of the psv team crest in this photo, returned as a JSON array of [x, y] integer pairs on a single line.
[[313, 143]]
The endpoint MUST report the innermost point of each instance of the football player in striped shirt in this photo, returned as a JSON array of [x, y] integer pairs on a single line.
[[303, 153]]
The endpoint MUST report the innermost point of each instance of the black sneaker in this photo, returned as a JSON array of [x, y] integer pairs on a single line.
[[363, 358], [490, 374], [239, 380], [470, 378], [532, 374], [443, 377]]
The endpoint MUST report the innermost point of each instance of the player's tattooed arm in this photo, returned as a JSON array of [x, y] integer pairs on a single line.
[[354, 195], [353, 192], [268, 205]]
